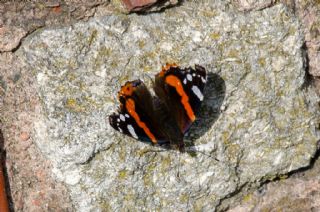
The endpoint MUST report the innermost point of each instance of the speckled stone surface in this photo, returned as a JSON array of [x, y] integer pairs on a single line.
[[149, 5], [256, 119]]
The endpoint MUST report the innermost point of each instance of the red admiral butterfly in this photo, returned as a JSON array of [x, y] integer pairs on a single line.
[[165, 118]]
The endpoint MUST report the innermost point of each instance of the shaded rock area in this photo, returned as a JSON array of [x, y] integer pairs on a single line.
[[262, 119]]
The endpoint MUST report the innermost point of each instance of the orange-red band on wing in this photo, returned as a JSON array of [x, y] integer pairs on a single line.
[[166, 68], [175, 82], [126, 90], [130, 106]]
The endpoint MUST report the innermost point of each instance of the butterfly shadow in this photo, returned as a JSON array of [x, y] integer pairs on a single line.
[[209, 112]]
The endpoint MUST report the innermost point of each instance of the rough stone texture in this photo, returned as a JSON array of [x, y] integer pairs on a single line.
[[20, 18], [10, 37], [247, 5], [309, 13], [265, 127], [148, 5], [138, 5], [31, 185], [300, 192]]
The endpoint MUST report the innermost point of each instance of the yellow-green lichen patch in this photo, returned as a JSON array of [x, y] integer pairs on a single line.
[[103, 54], [184, 198], [114, 63], [104, 205], [123, 174], [81, 105], [148, 175], [129, 196], [209, 13], [141, 44], [147, 68], [99, 174], [92, 37], [232, 151], [247, 198], [165, 163], [262, 61], [73, 105], [122, 153], [215, 35], [226, 137]]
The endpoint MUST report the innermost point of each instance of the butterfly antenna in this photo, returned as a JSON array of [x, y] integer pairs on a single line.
[[147, 76], [193, 149], [178, 172]]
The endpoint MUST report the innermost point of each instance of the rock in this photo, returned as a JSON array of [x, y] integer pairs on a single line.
[[256, 120], [302, 188], [10, 37], [309, 12], [23, 160], [139, 5], [247, 5]]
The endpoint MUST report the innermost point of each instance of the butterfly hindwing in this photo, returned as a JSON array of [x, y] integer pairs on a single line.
[[126, 124]]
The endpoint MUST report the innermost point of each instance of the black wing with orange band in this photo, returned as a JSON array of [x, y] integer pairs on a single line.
[[135, 115], [182, 92]]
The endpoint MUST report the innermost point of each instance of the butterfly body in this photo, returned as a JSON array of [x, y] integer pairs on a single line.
[[165, 118]]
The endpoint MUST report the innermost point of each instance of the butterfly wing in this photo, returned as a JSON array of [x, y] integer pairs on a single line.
[[126, 124], [182, 92], [135, 116]]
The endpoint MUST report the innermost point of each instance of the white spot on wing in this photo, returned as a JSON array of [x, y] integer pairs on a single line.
[[185, 81], [189, 77], [203, 80], [132, 132], [126, 115], [122, 117], [197, 92], [120, 130], [193, 74], [118, 120]]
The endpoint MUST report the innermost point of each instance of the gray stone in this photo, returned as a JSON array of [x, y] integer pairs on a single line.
[[258, 119]]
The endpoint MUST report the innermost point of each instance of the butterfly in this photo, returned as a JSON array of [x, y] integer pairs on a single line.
[[162, 119]]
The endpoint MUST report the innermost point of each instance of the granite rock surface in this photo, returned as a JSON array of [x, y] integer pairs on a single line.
[[258, 119]]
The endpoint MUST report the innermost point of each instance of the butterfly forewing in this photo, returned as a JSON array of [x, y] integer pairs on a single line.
[[182, 92], [136, 114]]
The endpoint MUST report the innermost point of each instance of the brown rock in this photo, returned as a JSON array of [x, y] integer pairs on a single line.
[[10, 37], [248, 5], [136, 5]]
